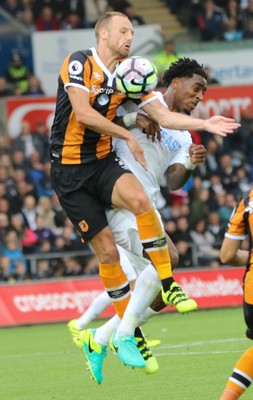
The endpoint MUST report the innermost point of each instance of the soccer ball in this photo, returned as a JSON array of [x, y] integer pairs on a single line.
[[136, 76]]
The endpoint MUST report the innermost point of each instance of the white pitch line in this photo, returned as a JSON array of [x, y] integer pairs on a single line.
[[192, 353], [2, 356], [163, 347], [201, 343]]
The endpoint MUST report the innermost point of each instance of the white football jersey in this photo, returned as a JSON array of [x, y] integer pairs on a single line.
[[173, 148]]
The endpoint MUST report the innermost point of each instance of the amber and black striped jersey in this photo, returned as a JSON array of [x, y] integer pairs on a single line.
[[71, 142], [241, 221]]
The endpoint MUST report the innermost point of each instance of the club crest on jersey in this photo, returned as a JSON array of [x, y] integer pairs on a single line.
[[103, 99], [83, 226], [75, 67]]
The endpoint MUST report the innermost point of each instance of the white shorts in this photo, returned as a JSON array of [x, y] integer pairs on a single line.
[[126, 236]]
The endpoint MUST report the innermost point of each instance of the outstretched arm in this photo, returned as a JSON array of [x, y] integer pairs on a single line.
[[218, 125]]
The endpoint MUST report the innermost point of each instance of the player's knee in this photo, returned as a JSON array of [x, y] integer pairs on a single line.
[[108, 254], [140, 203]]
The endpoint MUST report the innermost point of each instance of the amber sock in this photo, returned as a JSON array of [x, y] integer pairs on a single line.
[[116, 285], [241, 377], [154, 243]]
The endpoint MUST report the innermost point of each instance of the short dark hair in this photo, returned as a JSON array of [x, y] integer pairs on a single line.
[[106, 19], [183, 68]]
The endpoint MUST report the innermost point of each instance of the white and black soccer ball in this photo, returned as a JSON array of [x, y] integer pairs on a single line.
[[136, 76]]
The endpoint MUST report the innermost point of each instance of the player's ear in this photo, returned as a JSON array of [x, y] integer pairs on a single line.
[[103, 34], [175, 83]]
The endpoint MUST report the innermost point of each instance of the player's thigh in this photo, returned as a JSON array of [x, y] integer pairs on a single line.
[[128, 193]]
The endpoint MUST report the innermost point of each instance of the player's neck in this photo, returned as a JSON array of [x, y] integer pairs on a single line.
[[108, 59]]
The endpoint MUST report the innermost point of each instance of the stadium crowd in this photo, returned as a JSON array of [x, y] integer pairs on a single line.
[[214, 19], [32, 221]]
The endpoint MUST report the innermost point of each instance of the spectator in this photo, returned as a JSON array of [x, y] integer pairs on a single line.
[[73, 267], [199, 207], [227, 173], [44, 270], [212, 21], [211, 163], [170, 227], [204, 241], [216, 227], [19, 161], [5, 269], [234, 29], [46, 211], [5, 90], [167, 56], [29, 211], [185, 254], [27, 142], [4, 228], [5, 206], [71, 21], [27, 20], [42, 135], [43, 232], [27, 237], [44, 186], [91, 265], [35, 168], [183, 230], [248, 21], [20, 273], [34, 87], [225, 210], [44, 246], [12, 7], [4, 144], [46, 20], [13, 250], [72, 242], [17, 73]]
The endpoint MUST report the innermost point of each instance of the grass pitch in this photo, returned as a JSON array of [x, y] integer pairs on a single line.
[[196, 357]]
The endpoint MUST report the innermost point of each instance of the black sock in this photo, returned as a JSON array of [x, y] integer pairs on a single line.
[[166, 283]]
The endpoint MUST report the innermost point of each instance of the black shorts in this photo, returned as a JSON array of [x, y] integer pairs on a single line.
[[85, 191]]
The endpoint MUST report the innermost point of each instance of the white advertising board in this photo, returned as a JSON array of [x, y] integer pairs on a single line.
[[230, 67], [50, 49]]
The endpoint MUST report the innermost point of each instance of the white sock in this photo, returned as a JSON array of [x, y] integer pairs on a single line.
[[147, 287], [99, 304], [104, 332], [146, 316]]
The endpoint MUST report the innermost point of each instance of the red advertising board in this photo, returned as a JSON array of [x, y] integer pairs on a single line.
[[31, 109], [232, 100], [52, 301]]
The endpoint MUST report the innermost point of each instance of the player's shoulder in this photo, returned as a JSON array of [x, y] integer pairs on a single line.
[[80, 55]]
